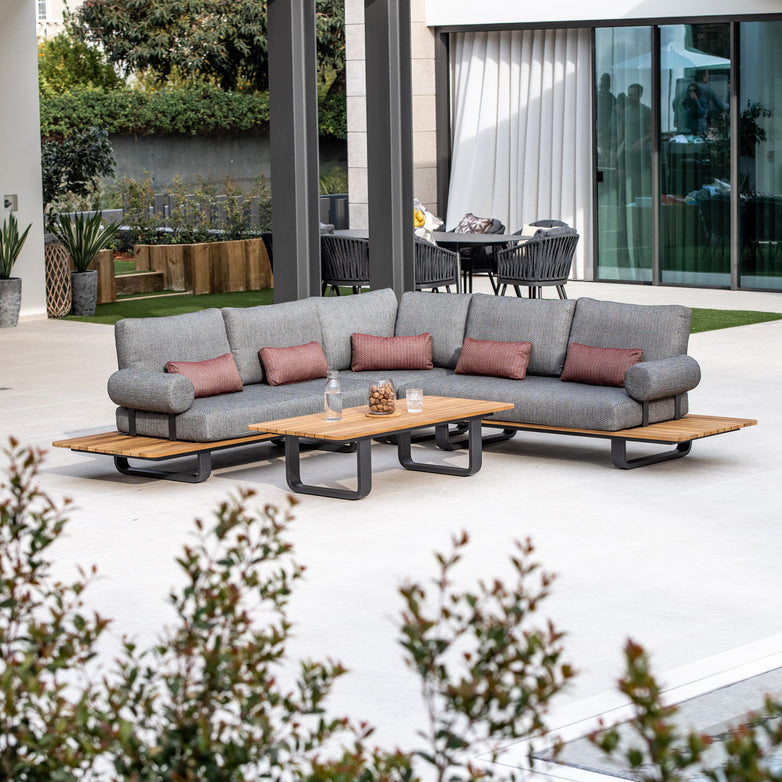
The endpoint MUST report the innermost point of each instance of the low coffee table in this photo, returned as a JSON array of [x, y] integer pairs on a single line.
[[356, 426]]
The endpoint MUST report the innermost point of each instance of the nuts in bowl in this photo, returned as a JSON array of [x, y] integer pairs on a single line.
[[382, 397]]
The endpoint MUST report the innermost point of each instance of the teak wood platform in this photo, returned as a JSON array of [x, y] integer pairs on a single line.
[[125, 446], [679, 432], [122, 447]]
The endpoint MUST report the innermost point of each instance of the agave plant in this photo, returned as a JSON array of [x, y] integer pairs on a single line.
[[11, 244], [84, 237]]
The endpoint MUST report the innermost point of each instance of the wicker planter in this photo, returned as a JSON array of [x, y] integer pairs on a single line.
[[84, 292], [58, 279], [10, 301]]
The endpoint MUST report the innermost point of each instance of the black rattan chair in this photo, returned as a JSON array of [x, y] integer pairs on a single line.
[[344, 262], [544, 259], [436, 267]]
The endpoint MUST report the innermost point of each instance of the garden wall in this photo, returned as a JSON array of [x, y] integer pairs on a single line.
[[240, 156]]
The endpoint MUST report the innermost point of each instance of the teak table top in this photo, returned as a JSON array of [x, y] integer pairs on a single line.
[[357, 424]]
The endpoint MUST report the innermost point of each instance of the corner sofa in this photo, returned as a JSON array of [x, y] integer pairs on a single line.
[[156, 404]]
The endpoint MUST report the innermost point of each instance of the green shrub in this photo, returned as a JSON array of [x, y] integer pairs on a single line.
[[205, 110]]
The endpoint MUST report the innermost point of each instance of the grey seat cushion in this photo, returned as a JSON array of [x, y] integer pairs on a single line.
[[660, 330], [546, 400], [148, 343], [277, 326], [366, 313], [443, 316], [546, 324]]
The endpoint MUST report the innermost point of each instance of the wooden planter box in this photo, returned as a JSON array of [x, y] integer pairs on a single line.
[[213, 267]]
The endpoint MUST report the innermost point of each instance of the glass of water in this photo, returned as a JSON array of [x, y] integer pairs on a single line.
[[415, 400]]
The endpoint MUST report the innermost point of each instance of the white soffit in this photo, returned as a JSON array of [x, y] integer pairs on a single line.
[[447, 13]]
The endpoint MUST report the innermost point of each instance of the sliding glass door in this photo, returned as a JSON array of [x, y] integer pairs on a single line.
[[624, 162], [694, 168]]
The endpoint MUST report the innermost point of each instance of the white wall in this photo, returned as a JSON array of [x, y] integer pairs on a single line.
[[461, 12], [20, 145]]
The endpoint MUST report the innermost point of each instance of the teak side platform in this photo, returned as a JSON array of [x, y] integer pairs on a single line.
[[679, 432], [125, 446]]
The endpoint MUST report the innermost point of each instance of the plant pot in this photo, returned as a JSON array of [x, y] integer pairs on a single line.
[[84, 293], [10, 301]]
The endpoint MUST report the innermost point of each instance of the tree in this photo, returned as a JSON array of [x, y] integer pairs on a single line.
[[64, 63], [74, 164], [223, 41]]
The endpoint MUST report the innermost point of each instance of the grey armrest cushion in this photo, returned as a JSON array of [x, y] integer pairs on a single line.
[[156, 392], [662, 378]]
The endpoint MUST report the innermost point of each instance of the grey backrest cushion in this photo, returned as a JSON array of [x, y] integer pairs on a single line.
[[366, 313], [546, 324], [269, 326], [444, 316], [148, 343], [660, 330]]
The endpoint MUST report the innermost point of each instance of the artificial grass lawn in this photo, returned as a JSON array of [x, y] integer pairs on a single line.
[[157, 306]]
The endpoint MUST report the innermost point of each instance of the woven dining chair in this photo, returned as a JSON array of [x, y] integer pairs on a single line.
[[436, 267], [544, 259], [344, 262], [480, 260]]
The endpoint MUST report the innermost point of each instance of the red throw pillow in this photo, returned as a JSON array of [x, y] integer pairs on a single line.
[[495, 359], [294, 364], [211, 377], [599, 366], [370, 352]]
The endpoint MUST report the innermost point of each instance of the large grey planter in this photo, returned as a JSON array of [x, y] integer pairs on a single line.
[[84, 292], [10, 301]]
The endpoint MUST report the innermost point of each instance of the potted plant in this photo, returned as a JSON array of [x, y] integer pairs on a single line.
[[84, 237], [11, 244]]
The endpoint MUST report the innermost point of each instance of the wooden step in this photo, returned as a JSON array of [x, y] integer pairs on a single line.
[[139, 282]]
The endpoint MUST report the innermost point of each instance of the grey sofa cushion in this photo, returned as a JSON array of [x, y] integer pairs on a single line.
[[660, 330], [340, 316], [269, 326], [662, 378], [443, 316], [546, 324], [148, 343], [154, 391], [546, 400]]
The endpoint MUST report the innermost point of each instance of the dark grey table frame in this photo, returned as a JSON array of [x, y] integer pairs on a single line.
[[364, 458]]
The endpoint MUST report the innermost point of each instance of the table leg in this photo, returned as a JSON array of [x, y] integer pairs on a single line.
[[363, 472], [474, 451]]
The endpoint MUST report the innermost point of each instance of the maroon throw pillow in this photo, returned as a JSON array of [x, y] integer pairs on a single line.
[[370, 352], [599, 366], [294, 364], [211, 377], [495, 359]]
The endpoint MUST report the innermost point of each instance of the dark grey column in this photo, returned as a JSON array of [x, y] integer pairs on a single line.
[[389, 144], [442, 82], [293, 108]]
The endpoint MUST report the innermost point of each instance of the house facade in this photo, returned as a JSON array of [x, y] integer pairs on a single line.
[[651, 127]]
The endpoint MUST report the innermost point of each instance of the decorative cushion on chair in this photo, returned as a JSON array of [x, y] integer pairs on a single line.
[[211, 377], [495, 359], [391, 352], [294, 364], [599, 366], [470, 224]]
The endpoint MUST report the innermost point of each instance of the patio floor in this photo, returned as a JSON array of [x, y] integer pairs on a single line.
[[683, 556]]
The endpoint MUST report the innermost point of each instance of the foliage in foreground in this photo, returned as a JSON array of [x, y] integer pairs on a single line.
[[661, 751], [209, 700]]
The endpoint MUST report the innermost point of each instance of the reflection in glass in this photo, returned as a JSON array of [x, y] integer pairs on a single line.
[[695, 154], [760, 176], [624, 141]]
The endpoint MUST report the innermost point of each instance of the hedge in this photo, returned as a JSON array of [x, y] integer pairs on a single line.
[[205, 111]]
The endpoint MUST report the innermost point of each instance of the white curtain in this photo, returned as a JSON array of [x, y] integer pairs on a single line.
[[522, 130]]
